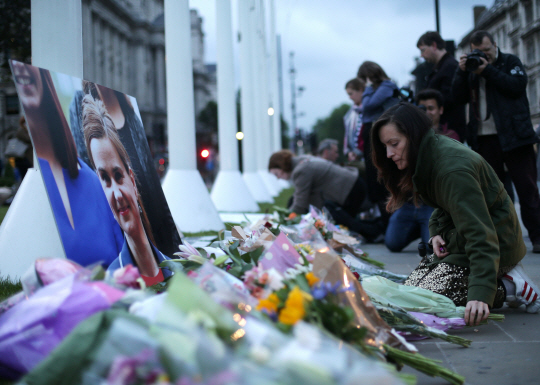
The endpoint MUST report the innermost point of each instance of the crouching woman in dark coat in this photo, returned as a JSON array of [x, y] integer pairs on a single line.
[[474, 229]]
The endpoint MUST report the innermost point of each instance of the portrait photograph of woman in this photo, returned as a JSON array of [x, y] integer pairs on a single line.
[[98, 172]]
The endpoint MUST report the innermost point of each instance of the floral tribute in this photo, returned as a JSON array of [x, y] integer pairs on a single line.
[[277, 300]]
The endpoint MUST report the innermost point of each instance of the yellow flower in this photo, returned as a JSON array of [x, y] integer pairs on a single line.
[[294, 307], [291, 315], [312, 279], [270, 304]]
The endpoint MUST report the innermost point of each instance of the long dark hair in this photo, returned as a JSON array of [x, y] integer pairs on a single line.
[[414, 124], [57, 126], [373, 71]]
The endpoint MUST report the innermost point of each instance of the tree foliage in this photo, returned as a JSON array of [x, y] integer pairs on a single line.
[[332, 127], [15, 38], [208, 116]]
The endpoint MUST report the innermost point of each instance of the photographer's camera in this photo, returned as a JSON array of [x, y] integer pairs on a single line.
[[473, 60]]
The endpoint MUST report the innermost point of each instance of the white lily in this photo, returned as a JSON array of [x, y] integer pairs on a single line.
[[186, 251]]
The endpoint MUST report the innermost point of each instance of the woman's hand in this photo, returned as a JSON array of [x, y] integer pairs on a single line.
[[439, 246], [475, 312], [351, 156]]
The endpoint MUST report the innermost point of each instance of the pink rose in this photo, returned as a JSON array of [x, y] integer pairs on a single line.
[[128, 276]]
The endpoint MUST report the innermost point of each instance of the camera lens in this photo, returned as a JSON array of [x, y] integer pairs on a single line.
[[472, 63]]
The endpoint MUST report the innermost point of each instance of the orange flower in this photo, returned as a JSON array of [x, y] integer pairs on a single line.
[[319, 224], [312, 279], [291, 216], [270, 304]]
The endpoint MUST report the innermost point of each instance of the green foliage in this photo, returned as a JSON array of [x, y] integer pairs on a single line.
[[14, 33], [208, 117], [281, 201], [242, 263], [8, 287], [8, 177], [332, 127]]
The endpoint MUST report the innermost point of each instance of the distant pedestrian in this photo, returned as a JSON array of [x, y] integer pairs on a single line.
[[328, 149], [433, 49], [353, 145], [433, 103]]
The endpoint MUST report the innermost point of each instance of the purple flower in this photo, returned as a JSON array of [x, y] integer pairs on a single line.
[[321, 289], [124, 369]]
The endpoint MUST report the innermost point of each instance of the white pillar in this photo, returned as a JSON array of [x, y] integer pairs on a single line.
[[274, 85], [187, 196], [250, 124], [53, 40], [230, 192], [264, 137], [30, 213]]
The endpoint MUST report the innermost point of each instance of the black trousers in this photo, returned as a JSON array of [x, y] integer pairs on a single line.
[[353, 202], [521, 165], [377, 193]]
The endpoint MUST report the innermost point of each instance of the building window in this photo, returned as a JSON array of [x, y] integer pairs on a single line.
[[533, 95], [504, 38], [515, 46], [530, 51], [12, 104], [529, 13], [514, 18]]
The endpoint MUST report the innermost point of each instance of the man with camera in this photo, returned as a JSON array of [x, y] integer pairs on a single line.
[[500, 128], [432, 49]]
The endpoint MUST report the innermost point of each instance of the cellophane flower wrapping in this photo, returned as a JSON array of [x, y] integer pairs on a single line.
[[330, 268], [410, 298], [30, 330], [365, 269]]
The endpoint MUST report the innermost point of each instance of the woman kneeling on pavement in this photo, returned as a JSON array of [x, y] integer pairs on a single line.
[[475, 232]]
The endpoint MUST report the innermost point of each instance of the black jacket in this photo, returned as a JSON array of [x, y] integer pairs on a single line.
[[440, 79], [506, 84]]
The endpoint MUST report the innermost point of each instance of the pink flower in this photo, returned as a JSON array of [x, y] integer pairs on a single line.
[[128, 276], [263, 279], [257, 292]]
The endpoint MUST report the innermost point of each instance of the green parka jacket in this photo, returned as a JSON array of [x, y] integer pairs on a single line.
[[473, 212]]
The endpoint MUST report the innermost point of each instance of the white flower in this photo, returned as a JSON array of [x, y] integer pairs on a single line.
[[275, 279], [186, 251]]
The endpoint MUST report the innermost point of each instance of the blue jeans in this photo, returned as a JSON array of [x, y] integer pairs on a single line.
[[407, 224]]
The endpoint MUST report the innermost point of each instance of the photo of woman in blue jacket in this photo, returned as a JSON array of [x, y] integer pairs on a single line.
[[113, 167], [80, 209], [474, 229]]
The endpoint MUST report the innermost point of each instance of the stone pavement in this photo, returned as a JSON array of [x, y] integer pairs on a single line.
[[502, 353]]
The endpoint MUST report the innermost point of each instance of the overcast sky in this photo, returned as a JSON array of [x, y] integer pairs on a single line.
[[332, 38]]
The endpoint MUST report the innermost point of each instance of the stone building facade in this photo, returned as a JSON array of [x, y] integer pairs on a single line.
[[124, 49], [515, 26]]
